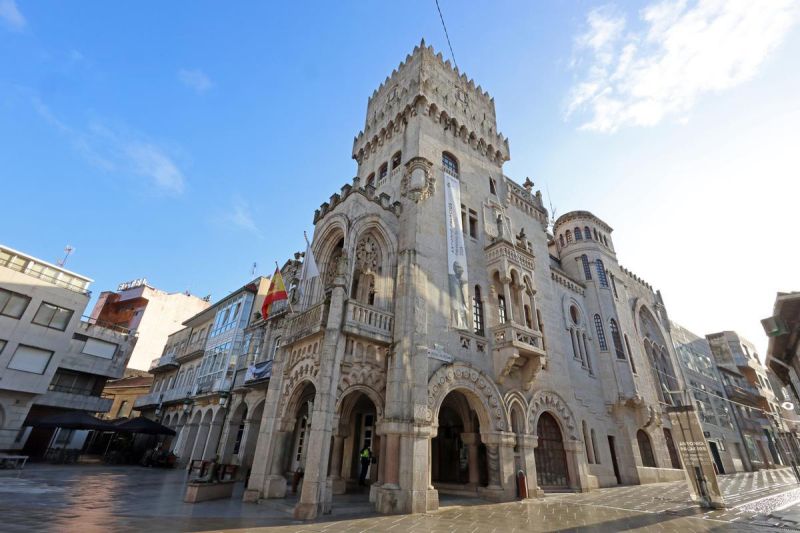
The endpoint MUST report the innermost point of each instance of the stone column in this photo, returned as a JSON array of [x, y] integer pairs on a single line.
[[471, 440], [316, 495], [214, 432], [338, 484], [500, 459], [528, 445], [248, 444], [392, 480], [199, 444], [275, 481], [382, 461], [578, 476], [506, 281]]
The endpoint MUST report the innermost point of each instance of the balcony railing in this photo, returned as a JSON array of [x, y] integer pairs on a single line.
[[746, 393], [30, 267], [369, 322], [308, 322], [177, 394], [150, 399], [517, 348], [164, 362], [211, 384]]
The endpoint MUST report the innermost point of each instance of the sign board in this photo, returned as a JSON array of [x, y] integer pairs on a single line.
[[132, 284], [437, 353], [698, 465]]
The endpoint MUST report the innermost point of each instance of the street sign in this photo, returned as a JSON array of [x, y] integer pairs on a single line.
[[698, 465]]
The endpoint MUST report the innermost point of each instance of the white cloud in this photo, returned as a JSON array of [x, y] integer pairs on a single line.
[[119, 150], [10, 15], [678, 51], [240, 217], [195, 79]]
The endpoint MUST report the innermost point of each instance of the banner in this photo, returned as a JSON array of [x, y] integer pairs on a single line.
[[696, 457], [456, 254]]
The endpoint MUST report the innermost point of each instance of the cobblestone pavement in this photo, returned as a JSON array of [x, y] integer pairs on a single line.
[[100, 498]]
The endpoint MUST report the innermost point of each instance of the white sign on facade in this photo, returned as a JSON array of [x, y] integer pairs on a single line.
[[456, 253], [132, 284]]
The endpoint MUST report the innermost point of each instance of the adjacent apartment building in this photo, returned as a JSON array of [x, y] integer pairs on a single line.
[[152, 313], [51, 360], [705, 383]]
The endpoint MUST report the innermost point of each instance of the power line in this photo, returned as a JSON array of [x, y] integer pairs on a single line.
[[446, 34]]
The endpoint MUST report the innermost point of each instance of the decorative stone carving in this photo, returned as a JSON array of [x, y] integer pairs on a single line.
[[550, 401], [471, 380], [368, 255], [418, 182], [364, 377]]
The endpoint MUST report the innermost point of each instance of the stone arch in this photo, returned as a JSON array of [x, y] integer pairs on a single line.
[[554, 404], [514, 400], [368, 380], [293, 395], [480, 390]]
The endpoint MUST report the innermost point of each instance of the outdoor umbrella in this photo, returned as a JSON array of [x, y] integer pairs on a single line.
[[144, 425], [73, 420]]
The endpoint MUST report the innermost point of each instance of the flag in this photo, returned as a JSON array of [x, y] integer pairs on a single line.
[[276, 293], [310, 269]]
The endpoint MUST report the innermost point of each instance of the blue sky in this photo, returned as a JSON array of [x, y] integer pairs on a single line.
[[183, 141]]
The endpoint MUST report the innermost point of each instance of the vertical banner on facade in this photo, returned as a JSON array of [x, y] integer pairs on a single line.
[[698, 464], [456, 253]]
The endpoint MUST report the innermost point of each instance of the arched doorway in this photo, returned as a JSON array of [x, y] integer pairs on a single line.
[[295, 461], [551, 458], [356, 431], [458, 457]]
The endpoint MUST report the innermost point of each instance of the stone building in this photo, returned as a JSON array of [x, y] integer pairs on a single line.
[[51, 361], [124, 392], [453, 332], [747, 385], [715, 410]]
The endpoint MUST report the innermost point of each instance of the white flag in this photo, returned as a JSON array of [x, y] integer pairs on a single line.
[[310, 269]]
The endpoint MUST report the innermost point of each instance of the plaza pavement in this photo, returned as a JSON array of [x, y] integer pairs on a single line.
[[95, 498]]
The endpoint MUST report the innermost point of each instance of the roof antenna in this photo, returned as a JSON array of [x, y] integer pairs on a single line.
[[67, 251]]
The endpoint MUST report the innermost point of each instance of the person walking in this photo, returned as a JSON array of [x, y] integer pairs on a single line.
[[366, 458]]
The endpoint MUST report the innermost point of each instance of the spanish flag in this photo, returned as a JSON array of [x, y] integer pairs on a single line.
[[276, 293]]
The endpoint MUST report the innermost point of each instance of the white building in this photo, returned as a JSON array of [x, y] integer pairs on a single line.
[[50, 359]]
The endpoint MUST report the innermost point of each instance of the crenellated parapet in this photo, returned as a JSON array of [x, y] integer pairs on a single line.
[[426, 84], [368, 191], [564, 280], [636, 278], [525, 200]]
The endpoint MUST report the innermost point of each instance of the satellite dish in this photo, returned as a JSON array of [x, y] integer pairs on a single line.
[[787, 406]]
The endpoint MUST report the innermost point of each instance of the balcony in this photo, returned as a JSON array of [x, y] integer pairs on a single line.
[[67, 398], [742, 393], [164, 363], [191, 351], [149, 400], [368, 322], [517, 348], [309, 322], [177, 394], [501, 252], [212, 384]]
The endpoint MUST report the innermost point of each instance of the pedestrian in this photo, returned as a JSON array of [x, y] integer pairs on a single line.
[[366, 458]]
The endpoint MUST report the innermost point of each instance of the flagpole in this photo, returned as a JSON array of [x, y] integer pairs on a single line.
[[289, 298]]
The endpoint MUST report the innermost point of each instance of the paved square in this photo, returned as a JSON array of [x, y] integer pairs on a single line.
[[100, 498]]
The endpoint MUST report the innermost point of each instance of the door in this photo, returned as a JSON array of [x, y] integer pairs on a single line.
[[551, 458], [299, 450], [613, 450], [717, 458]]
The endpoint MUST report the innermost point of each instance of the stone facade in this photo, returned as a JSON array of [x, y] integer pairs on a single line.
[[560, 354]]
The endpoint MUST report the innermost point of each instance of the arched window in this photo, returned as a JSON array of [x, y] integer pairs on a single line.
[[561, 239], [501, 308], [588, 355], [594, 447], [578, 234], [450, 164], [645, 449], [615, 338], [601, 335], [477, 311], [371, 179], [569, 236], [383, 171], [396, 158], [601, 273], [587, 233], [587, 272], [630, 354], [575, 351], [605, 241]]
